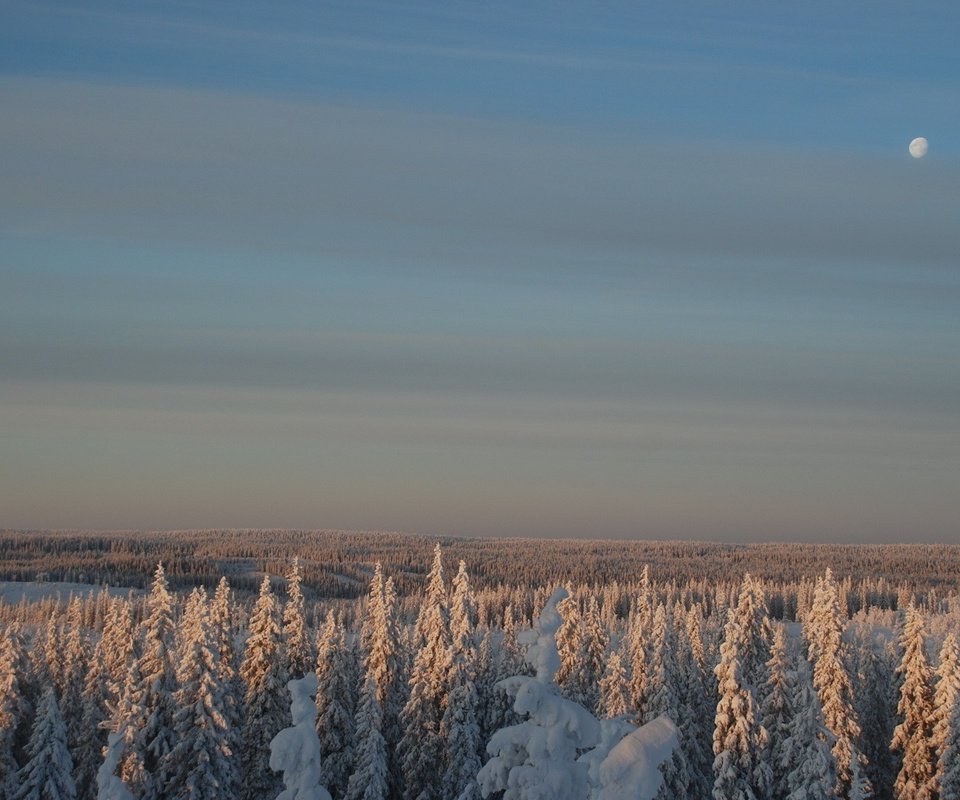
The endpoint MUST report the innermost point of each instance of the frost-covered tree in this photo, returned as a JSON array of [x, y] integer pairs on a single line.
[[371, 776], [913, 737], [875, 696], [741, 771], [335, 706], [948, 767], [12, 707], [94, 711], [202, 764], [778, 711], [823, 629], [264, 709], [222, 637], [613, 688], [569, 638], [460, 727], [805, 755], [295, 751], [422, 747], [153, 727], [297, 647], [946, 736], [754, 631], [48, 774], [697, 702]]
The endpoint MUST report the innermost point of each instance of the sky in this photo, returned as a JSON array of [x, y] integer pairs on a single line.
[[660, 271]]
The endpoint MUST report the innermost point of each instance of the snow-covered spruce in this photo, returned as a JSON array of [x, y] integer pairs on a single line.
[[295, 751]]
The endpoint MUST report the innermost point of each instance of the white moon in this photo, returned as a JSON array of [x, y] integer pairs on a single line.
[[918, 147]]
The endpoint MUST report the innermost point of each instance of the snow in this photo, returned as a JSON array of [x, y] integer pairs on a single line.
[[632, 767], [109, 786], [295, 751]]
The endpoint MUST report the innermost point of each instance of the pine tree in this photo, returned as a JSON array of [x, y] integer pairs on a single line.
[[913, 736], [335, 707], [946, 697], [824, 633], [422, 747], [201, 764], [696, 702], [48, 774], [298, 655], [265, 711]]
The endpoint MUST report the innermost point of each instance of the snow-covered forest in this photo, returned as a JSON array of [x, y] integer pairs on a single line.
[[530, 678]]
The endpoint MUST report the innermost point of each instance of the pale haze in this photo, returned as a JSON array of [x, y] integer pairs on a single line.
[[483, 269]]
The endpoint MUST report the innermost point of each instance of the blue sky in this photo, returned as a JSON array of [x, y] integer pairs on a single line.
[[481, 268]]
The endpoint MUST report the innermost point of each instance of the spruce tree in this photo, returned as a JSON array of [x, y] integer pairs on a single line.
[[948, 766], [913, 737], [12, 708], [613, 688], [153, 737], [739, 739], [335, 707], [370, 778], [202, 763], [422, 747], [824, 633], [459, 726], [264, 701], [946, 697], [778, 711], [48, 774], [297, 649], [805, 754]]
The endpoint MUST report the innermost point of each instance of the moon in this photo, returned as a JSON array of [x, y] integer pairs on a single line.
[[918, 147]]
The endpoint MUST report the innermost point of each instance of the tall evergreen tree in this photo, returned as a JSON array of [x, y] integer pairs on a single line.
[[459, 725], [202, 764], [913, 737], [422, 747], [297, 649], [948, 767], [48, 774], [264, 701], [875, 695], [335, 707], [370, 778], [806, 757], [12, 708], [739, 740], [153, 737], [946, 699], [778, 711], [824, 633], [613, 688]]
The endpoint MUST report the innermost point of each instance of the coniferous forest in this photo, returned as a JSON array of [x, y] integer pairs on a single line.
[[393, 667]]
